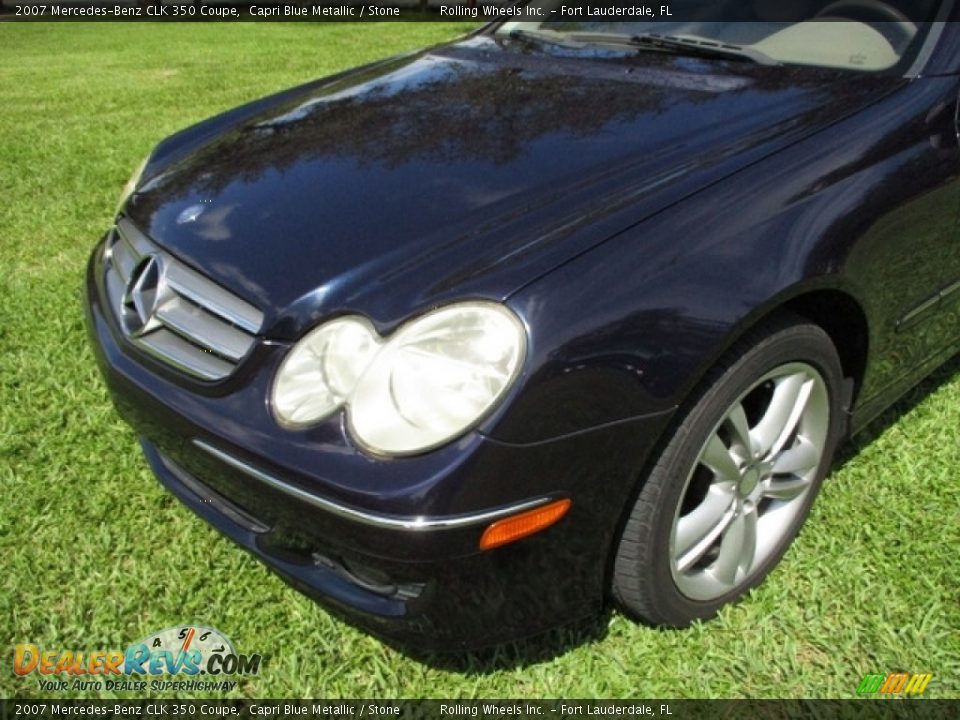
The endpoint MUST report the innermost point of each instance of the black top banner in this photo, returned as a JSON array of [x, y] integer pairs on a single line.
[[481, 709], [544, 11]]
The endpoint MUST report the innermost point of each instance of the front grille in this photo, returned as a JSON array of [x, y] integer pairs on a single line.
[[174, 313]]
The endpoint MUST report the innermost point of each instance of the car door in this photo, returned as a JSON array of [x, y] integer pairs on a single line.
[[910, 257]]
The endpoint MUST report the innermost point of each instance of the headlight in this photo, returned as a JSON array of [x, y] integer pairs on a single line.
[[322, 370], [131, 184], [432, 380]]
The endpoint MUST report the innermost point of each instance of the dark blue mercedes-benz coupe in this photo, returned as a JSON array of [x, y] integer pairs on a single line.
[[467, 343]]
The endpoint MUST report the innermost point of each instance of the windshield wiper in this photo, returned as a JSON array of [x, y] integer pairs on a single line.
[[681, 44]]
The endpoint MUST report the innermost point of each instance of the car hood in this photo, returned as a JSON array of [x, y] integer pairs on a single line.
[[464, 171]]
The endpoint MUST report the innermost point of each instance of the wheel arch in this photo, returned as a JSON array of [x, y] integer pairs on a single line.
[[843, 319], [834, 309]]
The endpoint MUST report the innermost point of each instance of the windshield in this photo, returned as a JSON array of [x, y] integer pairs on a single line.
[[856, 35]]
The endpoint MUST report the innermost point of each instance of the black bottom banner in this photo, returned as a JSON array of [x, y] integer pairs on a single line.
[[480, 709]]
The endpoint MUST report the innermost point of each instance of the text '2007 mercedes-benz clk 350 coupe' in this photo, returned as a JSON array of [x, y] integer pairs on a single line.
[[468, 343]]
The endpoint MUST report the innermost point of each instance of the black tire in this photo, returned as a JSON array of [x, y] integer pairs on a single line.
[[648, 571]]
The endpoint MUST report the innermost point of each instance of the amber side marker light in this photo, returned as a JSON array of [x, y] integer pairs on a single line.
[[526, 523]]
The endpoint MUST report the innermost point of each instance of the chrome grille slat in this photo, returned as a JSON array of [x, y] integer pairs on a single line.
[[115, 286], [138, 242], [214, 298], [194, 324], [173, 349], [123, 259]]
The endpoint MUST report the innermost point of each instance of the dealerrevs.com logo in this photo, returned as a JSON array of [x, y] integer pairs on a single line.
[[201, 658]]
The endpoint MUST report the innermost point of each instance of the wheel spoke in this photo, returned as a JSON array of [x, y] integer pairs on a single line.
[[716, 456], [784, 489], [737, 420], [737, 549], [798, 460], [789, 399], [698, 530]]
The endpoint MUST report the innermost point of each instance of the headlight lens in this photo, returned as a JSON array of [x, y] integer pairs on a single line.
[[322, 370], [131, 184], [428, 383]]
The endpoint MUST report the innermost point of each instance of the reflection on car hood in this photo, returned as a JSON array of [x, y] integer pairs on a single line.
[[468, 170]]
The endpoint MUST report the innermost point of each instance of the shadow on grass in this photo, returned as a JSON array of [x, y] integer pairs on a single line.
[[516, 655]]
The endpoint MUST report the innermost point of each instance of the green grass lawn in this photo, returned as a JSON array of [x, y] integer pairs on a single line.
[[96, 555]]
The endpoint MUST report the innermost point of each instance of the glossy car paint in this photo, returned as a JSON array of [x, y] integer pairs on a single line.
[[639, 213]]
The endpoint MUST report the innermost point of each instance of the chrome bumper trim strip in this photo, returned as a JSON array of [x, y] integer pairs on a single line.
[[394, 522]]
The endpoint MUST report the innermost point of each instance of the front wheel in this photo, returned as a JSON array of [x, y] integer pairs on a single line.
[[736, 480]]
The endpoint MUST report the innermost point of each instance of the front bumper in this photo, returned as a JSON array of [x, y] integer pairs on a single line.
[[391, 545]]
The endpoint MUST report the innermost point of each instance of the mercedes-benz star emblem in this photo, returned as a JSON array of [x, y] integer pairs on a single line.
[[145, 294]]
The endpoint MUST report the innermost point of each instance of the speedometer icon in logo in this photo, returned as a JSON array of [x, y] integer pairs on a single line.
[[187, 649], [190, 637]]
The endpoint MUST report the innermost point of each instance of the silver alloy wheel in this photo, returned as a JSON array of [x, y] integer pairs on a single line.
[[750, 482]]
